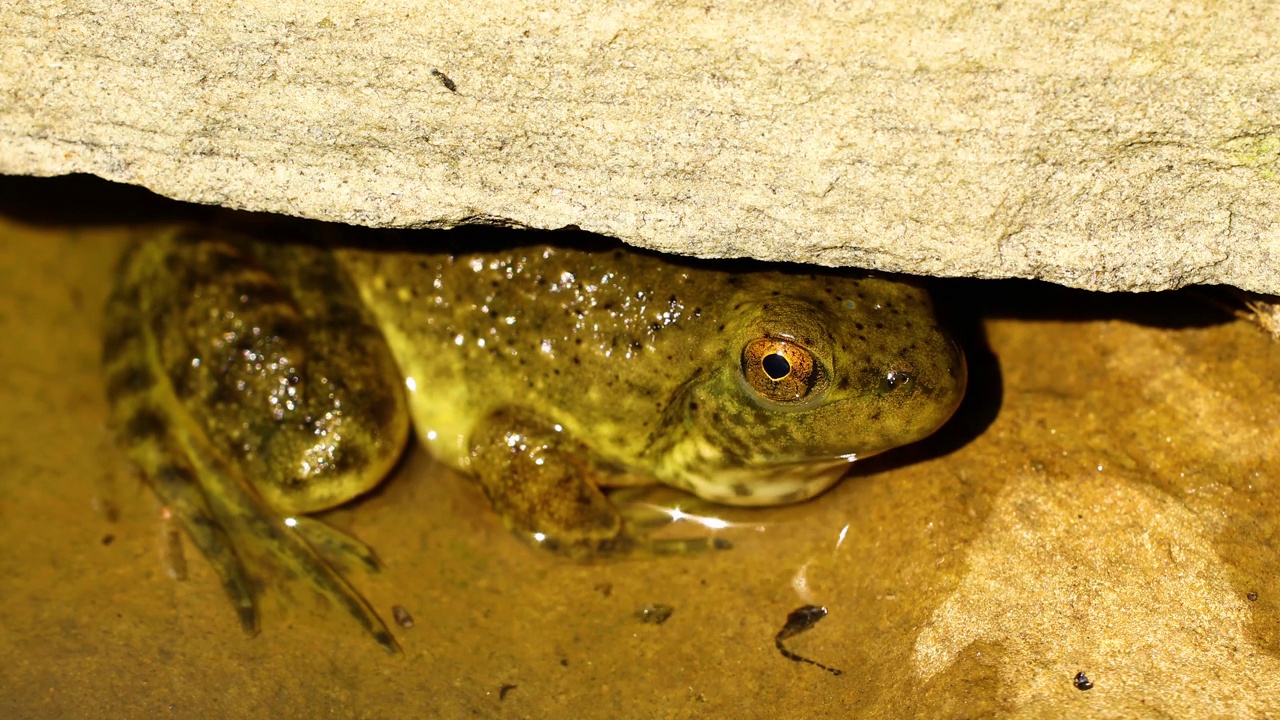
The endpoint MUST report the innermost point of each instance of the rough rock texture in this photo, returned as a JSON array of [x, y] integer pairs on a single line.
[[1101, 145]]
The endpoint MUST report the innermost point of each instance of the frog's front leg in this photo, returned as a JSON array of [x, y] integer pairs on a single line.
[[545, 486]]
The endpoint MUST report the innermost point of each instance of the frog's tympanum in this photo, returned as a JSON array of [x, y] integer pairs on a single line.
[[255, 383]]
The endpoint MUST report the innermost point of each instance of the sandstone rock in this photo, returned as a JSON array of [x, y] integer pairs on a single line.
[[1105, 146]]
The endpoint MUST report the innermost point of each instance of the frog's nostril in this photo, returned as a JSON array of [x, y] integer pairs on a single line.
[[895, 379]]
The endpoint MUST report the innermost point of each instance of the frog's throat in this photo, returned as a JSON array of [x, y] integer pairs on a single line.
[[712, 477]]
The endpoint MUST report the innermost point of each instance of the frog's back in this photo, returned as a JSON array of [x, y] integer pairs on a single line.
[[595, 340]]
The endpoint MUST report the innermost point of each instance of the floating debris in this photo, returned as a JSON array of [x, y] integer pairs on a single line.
[[798, 621], [1264, 312], [1082, 681], [444, 80], [654, 614], [503, 689], [402, 616]]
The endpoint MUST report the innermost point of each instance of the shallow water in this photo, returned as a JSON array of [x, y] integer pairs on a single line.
[[1105, 502]]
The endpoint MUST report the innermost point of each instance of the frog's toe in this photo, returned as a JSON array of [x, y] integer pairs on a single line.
[[623, 545], [335, 546], [687, 546], [294, 550], [182, 497]]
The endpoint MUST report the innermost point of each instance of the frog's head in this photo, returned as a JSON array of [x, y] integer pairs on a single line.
[[804, 385]]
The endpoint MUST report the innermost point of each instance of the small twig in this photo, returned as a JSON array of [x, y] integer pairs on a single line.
[[797, 622]]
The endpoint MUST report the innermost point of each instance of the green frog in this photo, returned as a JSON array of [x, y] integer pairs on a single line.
[[254, 383]]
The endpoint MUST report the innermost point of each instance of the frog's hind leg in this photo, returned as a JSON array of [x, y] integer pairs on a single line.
[[196, 386], [545, 487], [148, 433]]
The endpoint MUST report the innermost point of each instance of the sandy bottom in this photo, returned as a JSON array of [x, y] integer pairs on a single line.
[[1105, 502]]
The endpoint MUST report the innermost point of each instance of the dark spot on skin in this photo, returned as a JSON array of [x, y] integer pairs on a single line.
[[158, 323], [180, 376], [129, 380], [383, 408], [721, 328], [344, 317], [741, 490], [175, 475], [224, 393], [130, 296], [223, 260], [146, 423], [793, 496], [879, 326], [202, 233], [260, 292], [116, 339]]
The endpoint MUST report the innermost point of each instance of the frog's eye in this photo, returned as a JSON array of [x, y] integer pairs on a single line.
[[782, 371]]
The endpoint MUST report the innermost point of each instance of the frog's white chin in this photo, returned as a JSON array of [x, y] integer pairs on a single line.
[[772, 484]]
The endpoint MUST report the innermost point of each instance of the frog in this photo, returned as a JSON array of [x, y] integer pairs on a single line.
[[257, 379]]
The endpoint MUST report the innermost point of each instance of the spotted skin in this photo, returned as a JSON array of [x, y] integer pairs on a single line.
[[215, 398], [251, 382]]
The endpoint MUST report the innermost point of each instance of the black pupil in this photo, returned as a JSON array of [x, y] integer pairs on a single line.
[[775, 366]]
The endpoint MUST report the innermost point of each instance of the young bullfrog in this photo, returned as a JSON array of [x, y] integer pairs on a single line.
[[256, 383]]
